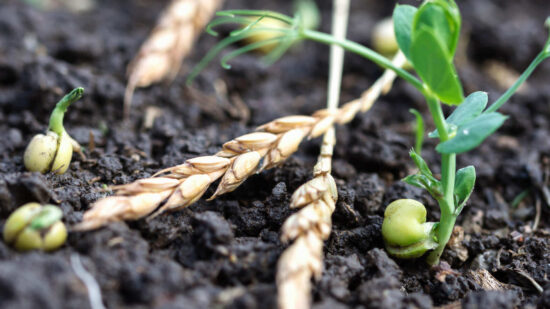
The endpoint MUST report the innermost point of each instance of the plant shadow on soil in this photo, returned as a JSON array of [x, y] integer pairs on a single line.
[[223, 253]]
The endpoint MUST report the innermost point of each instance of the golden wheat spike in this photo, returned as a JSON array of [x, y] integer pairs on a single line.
[[162, 53], [312, 224]]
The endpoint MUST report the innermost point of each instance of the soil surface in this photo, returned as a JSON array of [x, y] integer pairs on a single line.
[[223, 254]]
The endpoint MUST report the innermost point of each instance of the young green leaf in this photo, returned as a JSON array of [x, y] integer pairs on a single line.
[[432, 15], [429, 184], [472, 107], [472, 133], [420, 163], [464, 185], [403, 16], [434, 65], [443, 18]]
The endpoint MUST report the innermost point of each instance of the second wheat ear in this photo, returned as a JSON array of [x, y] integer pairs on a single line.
[[161, 55], [312, 224]]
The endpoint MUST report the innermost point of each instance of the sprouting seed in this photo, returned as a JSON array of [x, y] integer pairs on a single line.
[[53, 151], [35, 227], [405, 230]]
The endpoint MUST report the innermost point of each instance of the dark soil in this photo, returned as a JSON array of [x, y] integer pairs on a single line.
[[223, 254]]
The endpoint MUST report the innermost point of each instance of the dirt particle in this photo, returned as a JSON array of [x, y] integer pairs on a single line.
[[211, 232], [491, 299]]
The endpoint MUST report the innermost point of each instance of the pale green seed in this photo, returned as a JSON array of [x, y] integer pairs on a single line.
[[402, 225], [28, 239], [35, 227], [40, 152], [19, 219], [55, 237], [383, 37], [64, 154]]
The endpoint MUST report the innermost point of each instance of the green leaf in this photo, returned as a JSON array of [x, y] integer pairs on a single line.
[[443, 19], [434, 65], [432, 16], [431, 185], [420, 163], [403, 16], [472, 133], [472, 107], [464, 185], [415, 180]]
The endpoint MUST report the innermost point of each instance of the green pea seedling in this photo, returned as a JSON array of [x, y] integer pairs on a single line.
[[53, 151], [35, 227], [428, 37]]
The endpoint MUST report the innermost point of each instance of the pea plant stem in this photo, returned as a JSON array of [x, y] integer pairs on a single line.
[[56, 118], [448, 170], [362, 51], [504, 98]]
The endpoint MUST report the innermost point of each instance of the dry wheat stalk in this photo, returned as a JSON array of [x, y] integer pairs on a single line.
[[161, 55], [182, 185], [310, 226]]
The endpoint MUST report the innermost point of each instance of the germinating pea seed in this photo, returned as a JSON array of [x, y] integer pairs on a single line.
[[35, 227]]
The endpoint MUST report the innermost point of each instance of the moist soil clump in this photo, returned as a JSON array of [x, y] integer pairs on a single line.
[[223, 253]]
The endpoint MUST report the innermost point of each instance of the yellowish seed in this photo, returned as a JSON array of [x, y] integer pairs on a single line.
[[194, 185], [55, 237], [28, 239], [263, 35], [245, 164], [18, 220], [256, 140], [289, 142], [40, 152], [383, 37], [209, 164], [64, 154]]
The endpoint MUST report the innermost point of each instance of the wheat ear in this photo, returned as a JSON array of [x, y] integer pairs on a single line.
[[161, 55], [311, 225], [182, 185]]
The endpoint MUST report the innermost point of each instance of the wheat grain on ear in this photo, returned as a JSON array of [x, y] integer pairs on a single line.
[[308, 228], [162, 53], [311, 225], [181, 185]]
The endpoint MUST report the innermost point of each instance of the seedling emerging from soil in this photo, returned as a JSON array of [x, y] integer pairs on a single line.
[[53, 151], [428, 37], [405, 230], [35, 227]]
